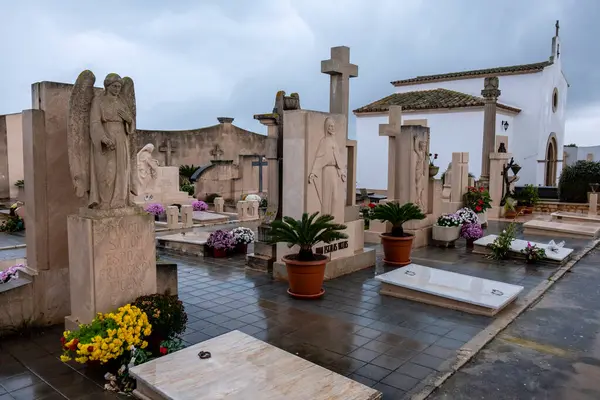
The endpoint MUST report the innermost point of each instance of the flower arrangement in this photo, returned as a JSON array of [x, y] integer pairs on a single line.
[[478, 199], [432, 159], [449, 220], [533, 253], [10, 273], [367, 211], [167, 316], [220, 239], [471, 231], [155, 208], [467, 216], [107, 337], [199, 205], [501, 245], [242, 235]]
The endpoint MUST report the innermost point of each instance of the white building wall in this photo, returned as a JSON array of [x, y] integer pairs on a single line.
[[450, 132]]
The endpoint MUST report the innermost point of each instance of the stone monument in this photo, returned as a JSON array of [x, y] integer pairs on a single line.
[[490, 94], [111, 241]]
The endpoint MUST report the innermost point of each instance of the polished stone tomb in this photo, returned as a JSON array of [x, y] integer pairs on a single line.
[[240, 368], [448, 289], [572, 216], [558, 255], [573, 229]]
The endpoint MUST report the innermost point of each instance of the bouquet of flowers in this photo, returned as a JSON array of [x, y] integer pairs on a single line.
[[533, 253], [221, 239], [471, 231], [107, 337], [242, 235], [155, 208], [10, 273], [199, 205], [478, 199], [449, 220], [165, 313], [467, 216], [367, 211]]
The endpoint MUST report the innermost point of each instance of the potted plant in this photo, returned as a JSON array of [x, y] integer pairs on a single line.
[[366, 211], [199, 205], [531, 197], [397, 244], [478, 200], [447, 228], [510, 208], [305, 269], [471, 232], [433, 169], [533, 253], [242, 238], [220, 242], [156, 209]]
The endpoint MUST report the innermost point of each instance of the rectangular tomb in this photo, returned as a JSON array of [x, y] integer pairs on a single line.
[[575, 217], [240, 368], [186, 243], [560, 256], [572, 229], [448, 289]]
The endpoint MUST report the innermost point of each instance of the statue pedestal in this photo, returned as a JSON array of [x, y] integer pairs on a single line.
[[112, 261]]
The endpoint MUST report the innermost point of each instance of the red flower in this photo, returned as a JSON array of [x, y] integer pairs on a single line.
[[478, 208], [74, 345], [481, 189], [163, 350], [90, 348], [63, 340], [371, 205], [435, 156], [480, 201]]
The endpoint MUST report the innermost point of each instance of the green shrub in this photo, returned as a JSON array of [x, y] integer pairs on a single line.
[[574, 182], [190, 189], [165, 313]]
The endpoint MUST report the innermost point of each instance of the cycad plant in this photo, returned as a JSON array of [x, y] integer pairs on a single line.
[[397, 215], [306, 232], [185, 173]]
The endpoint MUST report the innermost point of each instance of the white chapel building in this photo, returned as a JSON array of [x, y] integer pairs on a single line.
[[530, 111]]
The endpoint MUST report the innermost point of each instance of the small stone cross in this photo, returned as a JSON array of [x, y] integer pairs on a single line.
[[167, 148], [216, 152], [557, 26], [395, 119], [393, 130], [340, 70]]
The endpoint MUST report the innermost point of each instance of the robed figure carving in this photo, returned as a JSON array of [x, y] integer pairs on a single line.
[[147, 168], [327, 166], [100, 133]]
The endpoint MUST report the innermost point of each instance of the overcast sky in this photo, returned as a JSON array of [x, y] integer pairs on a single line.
[[193, 61]]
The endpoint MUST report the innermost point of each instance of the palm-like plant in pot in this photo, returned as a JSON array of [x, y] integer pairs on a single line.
[[306, 269], [397, 244]]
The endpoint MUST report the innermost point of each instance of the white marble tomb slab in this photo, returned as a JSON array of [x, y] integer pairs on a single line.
[[205, 217], [572, 229], [517, 245], [491, 296], [242, 368], [186, 237], [571, 216]]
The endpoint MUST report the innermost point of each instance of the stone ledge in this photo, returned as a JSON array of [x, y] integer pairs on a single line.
[[14, 284]]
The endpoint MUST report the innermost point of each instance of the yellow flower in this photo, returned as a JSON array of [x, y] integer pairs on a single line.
[[66, 334], [64, 358], [144, 345]]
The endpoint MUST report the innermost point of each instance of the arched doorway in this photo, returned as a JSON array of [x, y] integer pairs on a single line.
[[551, 159]]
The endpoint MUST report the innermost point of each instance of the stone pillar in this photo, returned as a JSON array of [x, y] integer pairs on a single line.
[[351, 174], [172, 217], [593, 210], [253, 209], [220, 203], [4, 172], [242, 210], [497, 163], [392, 131], [187, 216], [490, 93], [460, 176]]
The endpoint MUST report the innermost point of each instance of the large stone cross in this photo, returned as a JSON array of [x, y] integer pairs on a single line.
[[260, 163], [216, 152], [167, 148], [392, 130], [340, 70]]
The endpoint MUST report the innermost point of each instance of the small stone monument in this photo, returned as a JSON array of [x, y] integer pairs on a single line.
[[111, 241], [187, 214], [172, 217], [219, 204]]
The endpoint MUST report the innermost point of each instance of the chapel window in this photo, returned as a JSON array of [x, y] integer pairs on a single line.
[[555, 100]]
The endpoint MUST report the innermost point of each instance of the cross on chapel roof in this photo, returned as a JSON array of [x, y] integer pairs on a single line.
[[557, 27]]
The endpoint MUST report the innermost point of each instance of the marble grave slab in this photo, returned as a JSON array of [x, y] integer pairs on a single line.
[[572, 229], [448, 289], [187, 243], [574, 217], [560, 256], [241, 368]]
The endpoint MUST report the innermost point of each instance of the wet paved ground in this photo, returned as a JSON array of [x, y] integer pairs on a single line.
[[388, 343], [552, 351]]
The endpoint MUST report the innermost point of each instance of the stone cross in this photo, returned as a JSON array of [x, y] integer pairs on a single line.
[[490, 94], [340, 70], [260, 163], [216, 152], [392, 130], [167, 148], [557, 26]]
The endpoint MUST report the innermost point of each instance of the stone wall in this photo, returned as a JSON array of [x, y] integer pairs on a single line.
[[553, 206]]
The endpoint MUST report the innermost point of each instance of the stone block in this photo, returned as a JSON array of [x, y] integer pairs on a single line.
[[187, 216], [113, 261], [166, 278], [172, 217], [219, 204]]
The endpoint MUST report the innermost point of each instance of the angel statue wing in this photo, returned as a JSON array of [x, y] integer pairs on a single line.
[[78, 131], [128, 98]]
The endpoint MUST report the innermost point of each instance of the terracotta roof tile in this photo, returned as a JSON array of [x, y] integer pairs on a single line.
[[511, 70], [428, 100]]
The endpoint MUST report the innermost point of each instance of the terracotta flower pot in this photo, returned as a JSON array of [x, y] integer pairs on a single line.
[[305, 277], [528, 210], [510, 214], [396, 250]]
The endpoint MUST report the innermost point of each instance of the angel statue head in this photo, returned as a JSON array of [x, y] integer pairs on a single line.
[[329, 126], [100, 141]]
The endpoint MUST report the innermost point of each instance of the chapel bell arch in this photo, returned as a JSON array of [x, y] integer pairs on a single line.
[[551, 160]]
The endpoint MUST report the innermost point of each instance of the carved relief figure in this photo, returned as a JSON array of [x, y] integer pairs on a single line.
[[328, 167], [100, 131], [147, 168], [420, 147]]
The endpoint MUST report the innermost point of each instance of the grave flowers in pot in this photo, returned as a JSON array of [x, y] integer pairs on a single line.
[[220, 243], [397, 244], [306, 269], [471, 232], [447, 228], [155, 209], [478, 200], [242, 237], [199, 205]]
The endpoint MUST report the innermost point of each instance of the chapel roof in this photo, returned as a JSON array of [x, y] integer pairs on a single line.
[[510, 70], [428, 100]]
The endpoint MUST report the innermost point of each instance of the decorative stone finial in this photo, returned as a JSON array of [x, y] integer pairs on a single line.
[[225, 120], [490, 88]]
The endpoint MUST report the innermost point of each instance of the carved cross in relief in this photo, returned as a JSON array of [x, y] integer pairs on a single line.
[[167, 148], [216, 152]]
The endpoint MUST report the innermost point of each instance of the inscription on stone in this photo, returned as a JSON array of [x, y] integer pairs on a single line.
[[330, 248]]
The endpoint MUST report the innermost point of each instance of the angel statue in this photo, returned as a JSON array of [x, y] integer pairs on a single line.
[[100, 134], [147, 168]]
